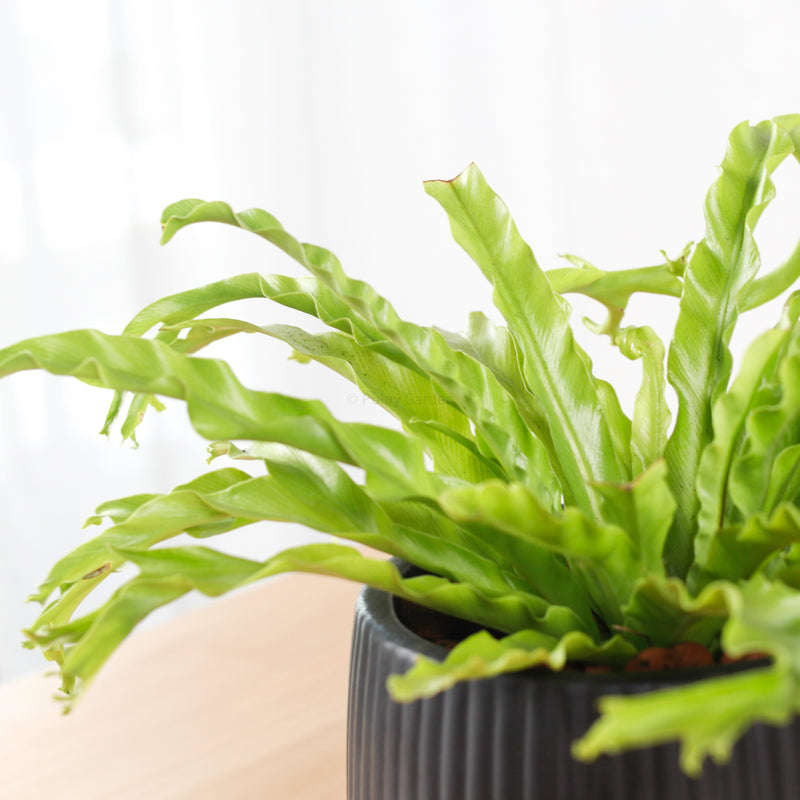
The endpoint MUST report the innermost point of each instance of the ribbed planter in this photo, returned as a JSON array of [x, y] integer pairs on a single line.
[[509, 738]]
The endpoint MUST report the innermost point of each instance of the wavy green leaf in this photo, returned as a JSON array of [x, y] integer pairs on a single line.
[[219, 406], [555, 368], [614, 289], [483, 656], [730, 706], [651, 415], [767, 287], [723, 264]]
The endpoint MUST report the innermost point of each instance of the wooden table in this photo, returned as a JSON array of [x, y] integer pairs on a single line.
[[245, 698]]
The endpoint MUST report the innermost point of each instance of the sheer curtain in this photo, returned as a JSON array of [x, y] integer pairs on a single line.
[[598, 123]]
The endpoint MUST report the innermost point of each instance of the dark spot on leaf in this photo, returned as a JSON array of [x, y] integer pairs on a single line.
[[95, 573]]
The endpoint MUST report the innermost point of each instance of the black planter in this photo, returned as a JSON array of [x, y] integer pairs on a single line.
[[509, 738]]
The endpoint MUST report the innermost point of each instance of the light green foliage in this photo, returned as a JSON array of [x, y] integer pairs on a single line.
[[720, 270], [533, 505]]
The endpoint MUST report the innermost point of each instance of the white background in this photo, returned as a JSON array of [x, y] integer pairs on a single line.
[[600, 123]]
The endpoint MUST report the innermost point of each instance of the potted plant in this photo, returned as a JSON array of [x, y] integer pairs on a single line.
[[566, 533]]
